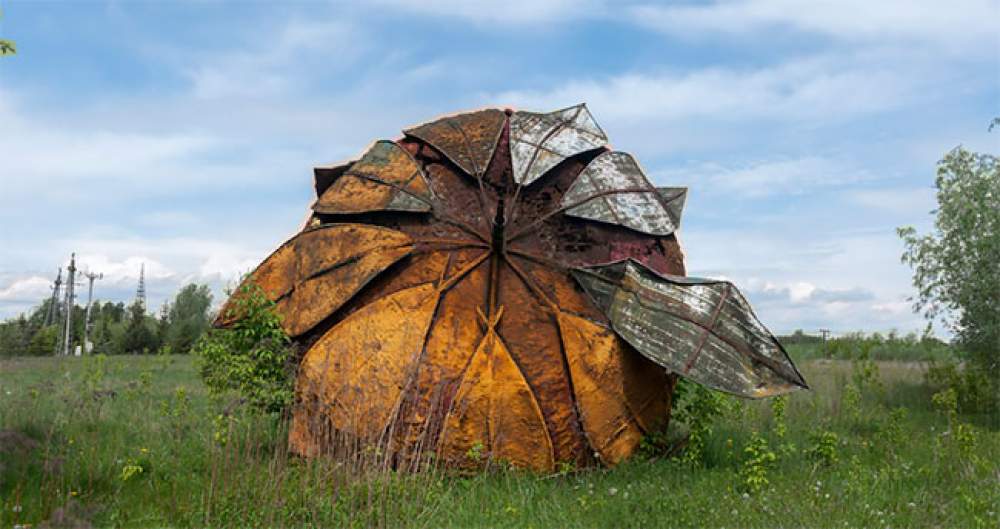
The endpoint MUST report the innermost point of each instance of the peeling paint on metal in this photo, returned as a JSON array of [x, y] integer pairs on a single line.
[[674, 198], [613, 189], [538, 142], [401, 315], [701, 329], [468, 140], [385, 178]]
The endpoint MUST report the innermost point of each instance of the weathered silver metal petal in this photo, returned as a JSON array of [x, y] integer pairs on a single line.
[[613, 189], [468, 140], [701, 329], [386, 178], [674, 198], [538, 142]]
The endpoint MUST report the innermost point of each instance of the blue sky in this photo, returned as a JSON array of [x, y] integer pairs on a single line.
[[182, 134]]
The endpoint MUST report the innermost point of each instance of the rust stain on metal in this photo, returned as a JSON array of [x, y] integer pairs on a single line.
[[468, 140], [702, 329], [495, 410], [613, 189], [318, 270], [385, 178], [452, 292], [541, 141]]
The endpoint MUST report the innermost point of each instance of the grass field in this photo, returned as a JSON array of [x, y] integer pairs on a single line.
[[137, 442]]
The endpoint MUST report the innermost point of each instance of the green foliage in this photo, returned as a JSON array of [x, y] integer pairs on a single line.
[[757, 462], [698, 407], [891, 346], [187, 318], [193, 480], [975, 393], [955, 267], [139, 336], [253, 356], [115, 329], [823, 448]]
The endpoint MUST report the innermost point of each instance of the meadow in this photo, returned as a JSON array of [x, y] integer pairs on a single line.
[[136, 441]]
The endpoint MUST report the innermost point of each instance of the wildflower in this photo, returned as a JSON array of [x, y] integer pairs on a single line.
[[746, 495], [734, 512], [72, 493], [144, 450], [16, 508], [911, 505], [612, 491]]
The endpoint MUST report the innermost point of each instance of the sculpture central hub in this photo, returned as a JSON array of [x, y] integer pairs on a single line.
[[497, 235]]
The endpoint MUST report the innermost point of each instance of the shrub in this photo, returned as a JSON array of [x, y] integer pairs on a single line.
[[974, 391], [698, 408], [253, 356]]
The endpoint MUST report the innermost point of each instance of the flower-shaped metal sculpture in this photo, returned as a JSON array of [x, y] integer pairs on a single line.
[[502, 284]]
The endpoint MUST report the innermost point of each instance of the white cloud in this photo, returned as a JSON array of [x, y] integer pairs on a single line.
[[26, 290], [819, 88], [912, 201], [778, 177], [954, 25], [273, 64]]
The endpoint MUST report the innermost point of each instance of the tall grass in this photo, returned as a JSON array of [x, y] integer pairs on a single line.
[[137, 442]]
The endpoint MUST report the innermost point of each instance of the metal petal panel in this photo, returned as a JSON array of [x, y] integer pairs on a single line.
[[701, 329], [674, 198], [613, 189], [318, 270], [538, 142], [385, 178], [468, 140]]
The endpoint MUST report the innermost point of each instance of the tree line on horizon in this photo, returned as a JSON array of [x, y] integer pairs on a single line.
[[116, 328]]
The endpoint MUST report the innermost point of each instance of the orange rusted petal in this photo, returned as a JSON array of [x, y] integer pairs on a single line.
[[318, 270], [385, 178], [451, 342], [468, 140], [531, 334], [324, 177], [495, 414], [605, 381], [357, 371]]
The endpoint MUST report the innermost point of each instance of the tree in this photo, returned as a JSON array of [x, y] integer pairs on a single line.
[[188, 317], [7, 47], [956, 267], [138, 336]]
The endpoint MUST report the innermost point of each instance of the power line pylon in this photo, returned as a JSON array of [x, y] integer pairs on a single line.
[[70, 296], [140, 293], [90, 299]]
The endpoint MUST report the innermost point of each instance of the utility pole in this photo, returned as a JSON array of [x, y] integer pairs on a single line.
[[826, 335], [68, 331], [90, 298], [53, 313]]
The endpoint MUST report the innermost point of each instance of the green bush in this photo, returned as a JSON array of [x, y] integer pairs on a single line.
[[975, 392], [253, 356]]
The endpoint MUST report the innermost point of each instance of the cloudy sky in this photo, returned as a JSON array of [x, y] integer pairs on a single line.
[[182, 134]]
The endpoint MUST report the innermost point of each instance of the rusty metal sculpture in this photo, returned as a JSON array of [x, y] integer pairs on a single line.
[[502, 283]]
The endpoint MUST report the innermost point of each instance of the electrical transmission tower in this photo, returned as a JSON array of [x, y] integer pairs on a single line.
[[140, 293], [90, 299], [70, 296], [53, 312]]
